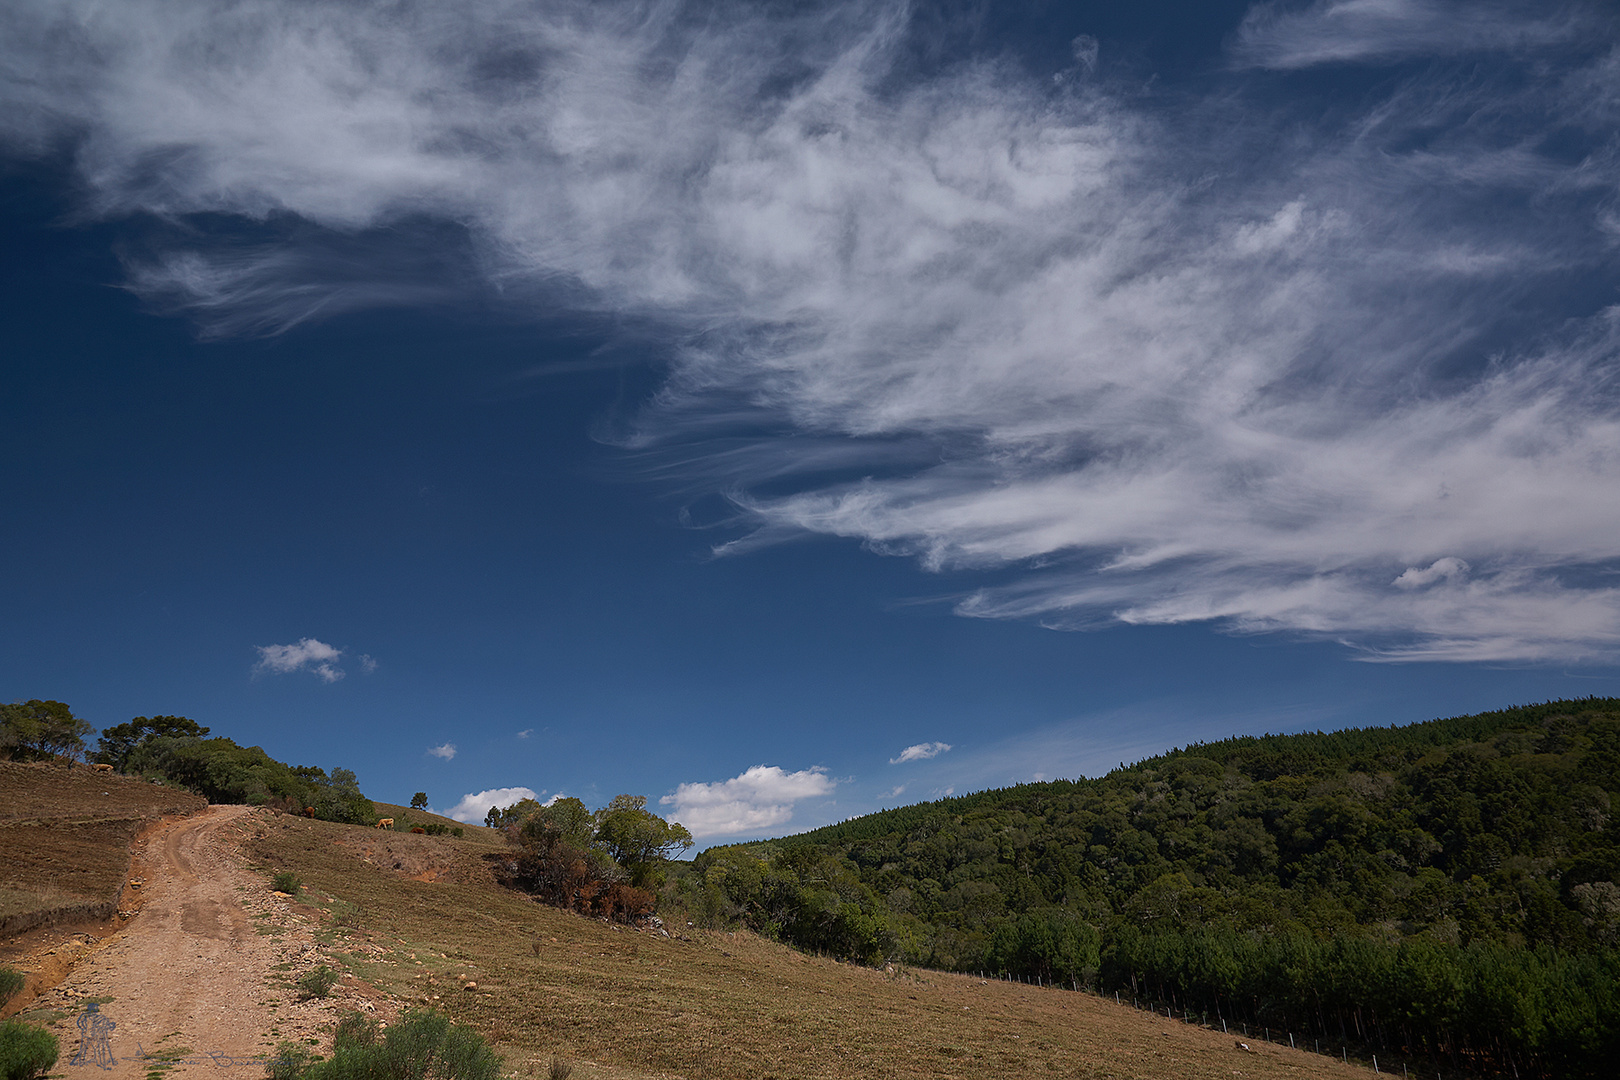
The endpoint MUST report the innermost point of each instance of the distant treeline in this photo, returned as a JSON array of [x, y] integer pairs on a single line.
[[176, 750], [1450, 888]]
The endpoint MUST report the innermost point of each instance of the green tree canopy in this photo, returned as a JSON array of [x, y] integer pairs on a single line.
[[638, 839], [121, 740], [35, 729]]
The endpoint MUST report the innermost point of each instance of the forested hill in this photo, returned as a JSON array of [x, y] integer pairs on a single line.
[[1494, 827], [1458, 844]]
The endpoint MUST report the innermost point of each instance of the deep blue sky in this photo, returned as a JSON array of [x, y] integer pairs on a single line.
[[717, 432]]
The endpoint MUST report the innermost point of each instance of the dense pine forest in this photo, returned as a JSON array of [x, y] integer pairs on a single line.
[[1448, 889]]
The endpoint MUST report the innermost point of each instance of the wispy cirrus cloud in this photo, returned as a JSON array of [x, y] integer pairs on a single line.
[[305, 654], [920, 752], [761, 797], [1238, 356], [1345, 31]]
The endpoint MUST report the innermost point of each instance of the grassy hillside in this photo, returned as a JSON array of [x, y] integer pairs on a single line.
[[419, 917]]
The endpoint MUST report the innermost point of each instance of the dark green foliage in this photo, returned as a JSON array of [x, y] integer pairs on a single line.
[[595, 863], [120, 740], [1452, 886], [39, 730], [423, 1045], [290, 1062], [419, 801], [502, 817], [11, 981], [26, 1051], [286, 881], [638, 840], [317, 983], [223, 772]]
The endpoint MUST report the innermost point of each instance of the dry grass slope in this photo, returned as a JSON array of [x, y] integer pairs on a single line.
[[420, 918], [65, 834]]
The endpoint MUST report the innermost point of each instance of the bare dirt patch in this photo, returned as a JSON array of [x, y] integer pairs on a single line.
[[203, 980], [419, 858]]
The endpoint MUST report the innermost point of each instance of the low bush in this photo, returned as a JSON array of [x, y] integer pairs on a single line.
[[286, 882], [317, 983], [11, 981], [423, 1044], [290, 1062], [26, 1051]]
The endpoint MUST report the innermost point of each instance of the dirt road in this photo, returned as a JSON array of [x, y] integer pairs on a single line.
[[202, 977]]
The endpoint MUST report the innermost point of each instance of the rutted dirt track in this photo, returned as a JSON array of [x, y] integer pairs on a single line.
[[203, 975]]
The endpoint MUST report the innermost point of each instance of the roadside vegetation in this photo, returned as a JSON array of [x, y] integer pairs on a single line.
[[26, 1051], [423, 1044]]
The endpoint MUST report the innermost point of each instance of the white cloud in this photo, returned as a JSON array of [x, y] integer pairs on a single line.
[[306, 654], [1344, 31], [920, 752], [525, 733], [475, 806], [445, 752], [1225, 361], [761, 798], [1446, 569]]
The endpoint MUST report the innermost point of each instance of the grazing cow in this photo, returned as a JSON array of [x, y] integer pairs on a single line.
[[101, 768], [385, 823], [1244, 1047], [309, 811], [418, 830]]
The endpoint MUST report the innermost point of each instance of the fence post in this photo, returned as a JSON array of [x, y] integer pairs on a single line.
[[1375, 1064]]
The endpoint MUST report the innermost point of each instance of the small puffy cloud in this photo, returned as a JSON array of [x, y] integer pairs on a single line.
[[761, 798], [306, 654], [920, 752], [447, 751], [473, 807], [1449, 568], [368, 663]]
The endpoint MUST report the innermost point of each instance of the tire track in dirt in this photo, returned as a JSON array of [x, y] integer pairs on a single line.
[[202, 975]]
